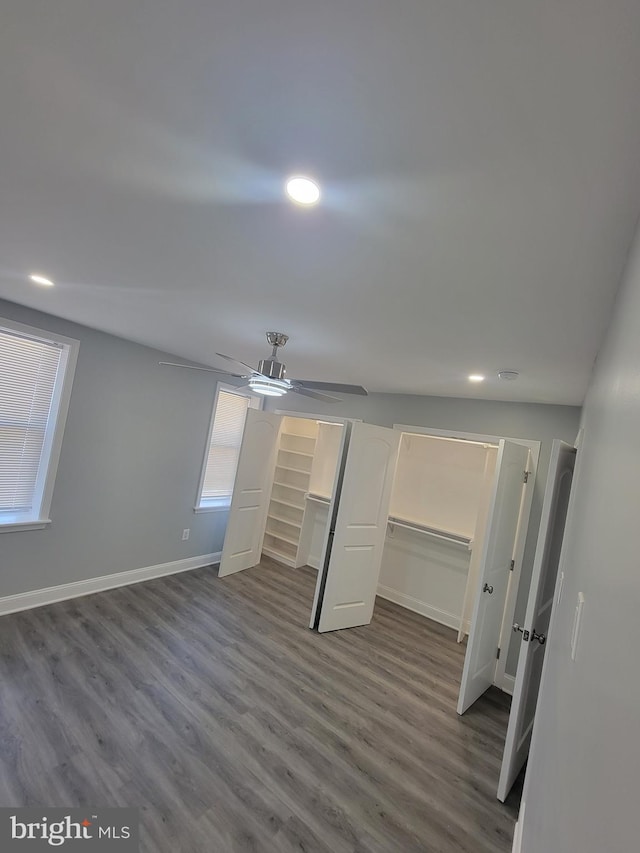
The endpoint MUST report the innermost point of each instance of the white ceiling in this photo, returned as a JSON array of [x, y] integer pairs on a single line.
[[480, 161]]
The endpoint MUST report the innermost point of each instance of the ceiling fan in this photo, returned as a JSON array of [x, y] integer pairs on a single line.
[[269, 378]]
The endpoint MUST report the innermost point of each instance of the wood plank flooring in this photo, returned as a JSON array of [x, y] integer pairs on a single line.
[[210, 705]]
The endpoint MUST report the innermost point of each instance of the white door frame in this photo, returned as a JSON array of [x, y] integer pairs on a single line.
[[309, 416], [502, 680]]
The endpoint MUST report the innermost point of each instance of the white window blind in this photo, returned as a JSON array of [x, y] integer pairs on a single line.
[[29, 369], [224, 446]]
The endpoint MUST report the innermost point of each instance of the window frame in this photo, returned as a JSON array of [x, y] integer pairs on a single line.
[[256, 401], [52, 445]]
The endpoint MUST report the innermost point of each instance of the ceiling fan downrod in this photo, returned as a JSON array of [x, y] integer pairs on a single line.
[[271, 367]]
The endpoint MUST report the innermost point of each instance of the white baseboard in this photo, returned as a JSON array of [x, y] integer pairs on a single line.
[[508, 684], [441, 616], [314, 562], [52, 594]]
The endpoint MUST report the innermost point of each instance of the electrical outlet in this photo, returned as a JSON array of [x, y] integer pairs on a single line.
[[185, 534]]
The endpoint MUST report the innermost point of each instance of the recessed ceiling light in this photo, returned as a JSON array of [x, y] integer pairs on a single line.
[[40, 279], [302, 190], [508, 375], [476, 377]]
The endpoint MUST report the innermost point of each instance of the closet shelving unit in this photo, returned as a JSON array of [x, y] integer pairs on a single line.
[[290, 485], [303, 482], [318, 498]]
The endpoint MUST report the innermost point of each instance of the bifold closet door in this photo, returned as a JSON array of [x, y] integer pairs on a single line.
[[251, 493], [502, 527], [348, 580], [538, 615]]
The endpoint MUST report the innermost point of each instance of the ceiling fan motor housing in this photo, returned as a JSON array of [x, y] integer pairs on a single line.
[[271, 368]]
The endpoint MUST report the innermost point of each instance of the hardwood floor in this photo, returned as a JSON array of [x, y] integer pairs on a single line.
[[209, 705]]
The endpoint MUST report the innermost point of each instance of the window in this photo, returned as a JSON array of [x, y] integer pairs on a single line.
[[36, 372], [223, 447]]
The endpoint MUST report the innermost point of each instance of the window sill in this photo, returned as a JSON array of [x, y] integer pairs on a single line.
[[15, 526], [221, 507]]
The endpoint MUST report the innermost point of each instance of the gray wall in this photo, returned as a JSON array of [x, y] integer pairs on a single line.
[[129, 467], [581, 791], [516, 420]]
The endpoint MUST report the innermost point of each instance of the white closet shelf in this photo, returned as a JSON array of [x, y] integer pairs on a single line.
[[282, 538], [298, 435], [295, 470], [295, 452], [417, 527], [287, 503], [288, 486], [285, 520], [311, 442], [318, 498], [280, 556]]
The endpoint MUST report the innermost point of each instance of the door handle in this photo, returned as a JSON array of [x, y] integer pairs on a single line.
[[488, 588], [541, 638]]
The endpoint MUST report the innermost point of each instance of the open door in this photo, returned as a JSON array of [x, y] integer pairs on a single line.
[[538, 615], [251, 493], [500, 536], [348, 579]]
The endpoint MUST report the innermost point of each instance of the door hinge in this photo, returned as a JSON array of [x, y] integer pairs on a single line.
[[526, 476], [512, 566], [498, 654]]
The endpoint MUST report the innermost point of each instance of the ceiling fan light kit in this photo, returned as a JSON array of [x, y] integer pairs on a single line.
[[268, 387]]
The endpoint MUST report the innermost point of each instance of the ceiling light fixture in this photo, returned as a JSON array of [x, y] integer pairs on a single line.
[[508, 375], [40, 279], [268, 387], [302, 190], [476, 377]]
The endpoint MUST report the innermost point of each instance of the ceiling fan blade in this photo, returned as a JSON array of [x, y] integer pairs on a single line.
[[331, 386], [306, 392], [237, 361], [207, 369]]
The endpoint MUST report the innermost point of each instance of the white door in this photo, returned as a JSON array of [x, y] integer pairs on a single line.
[[502, 527], [251, 493], [538, 615], [347, 584]]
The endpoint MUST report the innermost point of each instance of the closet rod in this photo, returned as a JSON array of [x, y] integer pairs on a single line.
[[318, 498], [430, 531]]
